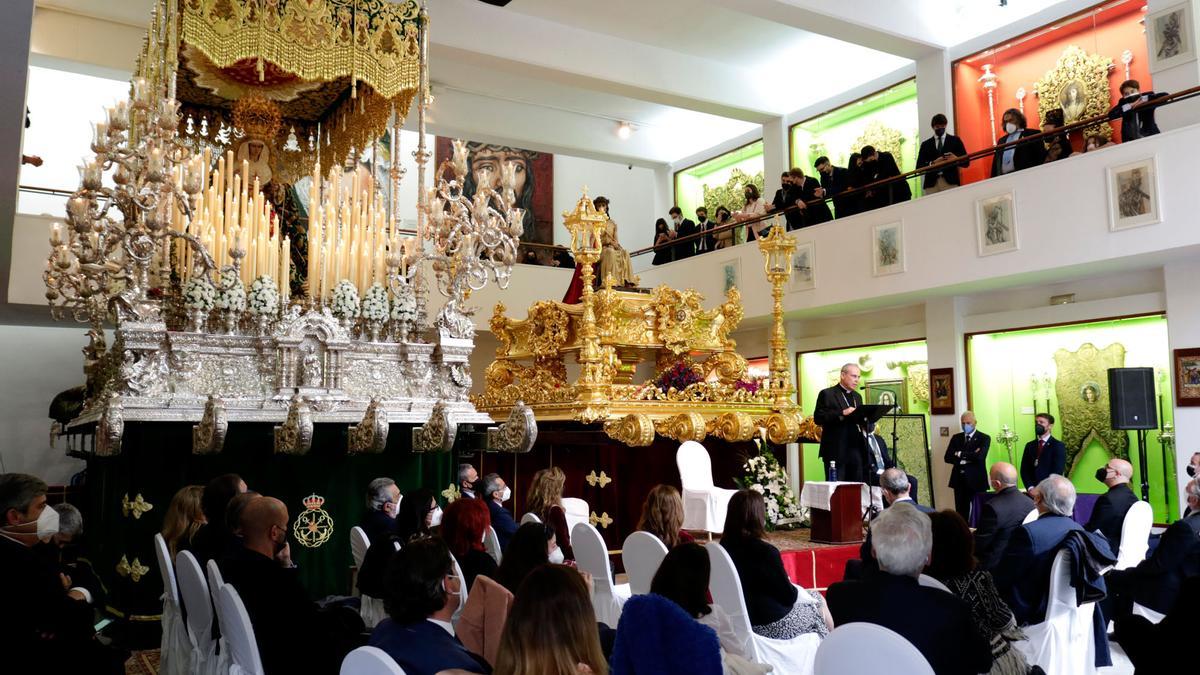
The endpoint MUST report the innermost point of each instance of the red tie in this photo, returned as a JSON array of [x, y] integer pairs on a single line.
[[1041, 446]]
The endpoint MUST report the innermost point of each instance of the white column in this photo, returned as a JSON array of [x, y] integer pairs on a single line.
[[775, 155], [16, 22], [1183, 332], [944, 340], [934, 91], [1180, 77]]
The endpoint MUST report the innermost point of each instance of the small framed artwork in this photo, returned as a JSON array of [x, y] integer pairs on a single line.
[[1187, 377], [1133, 195], [996, 224], [941, 391], [803, 273], [885, 392], [1170, 38], [887, 249], [731, 274]]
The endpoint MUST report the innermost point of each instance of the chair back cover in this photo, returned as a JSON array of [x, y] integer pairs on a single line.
[[462, 589], [359, 543], [591, 556], [237, 633], [369, 661], [491, 543], [530, 518], [1135, 535], [926, 580], [641, 554], [725, 586], [577, 511], [1063, 642], [215, 580], [175, 648], [198, 601], [843, 652], [1030, 517], [695, 466]]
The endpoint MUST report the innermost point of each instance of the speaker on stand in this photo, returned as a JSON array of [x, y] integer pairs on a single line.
[[1132, 405]]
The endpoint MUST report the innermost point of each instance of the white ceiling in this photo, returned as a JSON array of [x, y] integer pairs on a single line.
[[689, 74]]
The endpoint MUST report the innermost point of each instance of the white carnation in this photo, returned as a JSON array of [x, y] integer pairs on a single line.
[[345, 300], [263, 299], [375, 303], [232, 295], [199, 293]]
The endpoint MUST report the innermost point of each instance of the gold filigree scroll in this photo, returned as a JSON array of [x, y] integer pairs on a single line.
[[1078, 84], [502, 330], [727, 367], [781, 427], [688, 426], [1082, 390], [677, 313], [732, 426], [918, 382], [635, 430], [549, 326]]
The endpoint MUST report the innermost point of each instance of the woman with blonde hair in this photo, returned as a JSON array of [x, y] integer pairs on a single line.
[[551, 629], [183, 518], [662, 516], [545, 502]]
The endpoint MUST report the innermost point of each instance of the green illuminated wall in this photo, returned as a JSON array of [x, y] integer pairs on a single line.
[[887, 120], [715, 173], [1002, 368]]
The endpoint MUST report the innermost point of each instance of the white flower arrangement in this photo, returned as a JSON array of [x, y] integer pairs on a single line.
[[345, 300], [232, 295], [375, 303], [765, 476], [199, 294], [263, 299], [404, 303]]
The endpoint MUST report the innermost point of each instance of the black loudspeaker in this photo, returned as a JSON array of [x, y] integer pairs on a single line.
[[1131, 398]]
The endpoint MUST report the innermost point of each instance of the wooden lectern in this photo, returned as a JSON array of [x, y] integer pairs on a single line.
[[842, 523]]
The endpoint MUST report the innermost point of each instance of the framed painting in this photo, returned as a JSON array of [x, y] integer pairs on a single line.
[[803, 271], [887, 249], [1187, 376], [885, 392], [941, 391], [1133, 195], [996, 224], [731, 275], [1169, 36]]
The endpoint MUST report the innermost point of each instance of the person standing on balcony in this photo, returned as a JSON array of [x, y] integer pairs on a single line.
[[1058, 146], [835, 180], [1016, 157], [810, 193], [879, 166], [788, 201], [941, 150], [684, 227], [1137, 118]]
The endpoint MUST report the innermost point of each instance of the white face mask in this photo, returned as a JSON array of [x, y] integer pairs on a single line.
[[504, 494], [557, 557], [456, 594], [1010, 128], [47, 525], [435, 516]]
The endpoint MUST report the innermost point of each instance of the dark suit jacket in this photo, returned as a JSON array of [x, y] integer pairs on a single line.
[[817, 210], [37, 606], [836, 434], [685, 249], [937, 623], [378, 525], [973, 474], [1023, 575], [1158, 579], [1054, 460], [786, 197], [888, 461], [836, 183], [1138, 122], [768, 590], [424, 648], [885, 167], [1026, 155], [1143, 641], [705, 244], [502, 522], [928, 154], [1000, 517], [1108, 515]]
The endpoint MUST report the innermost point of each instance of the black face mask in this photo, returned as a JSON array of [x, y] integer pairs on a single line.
[[1101, 474], [1041, 430], [1191, 470]]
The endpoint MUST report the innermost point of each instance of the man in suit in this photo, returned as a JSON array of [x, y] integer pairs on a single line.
[[1017, 157], [1156, 581], [496, 492], [1137, 118], [423, 594], [835, 180], [967, 456], [1044, 455], [882, 166], [703, 224], [944, 634], [1000, 516], [788, 202], [840, 438], [1108, 515], [895, 486], [878, 457], [941, 150], [263, 574], [683, 227], [383, 501], [810, 193], [467, 476]]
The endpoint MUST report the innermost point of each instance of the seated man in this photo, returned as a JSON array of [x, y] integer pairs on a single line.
[[263, 575], [423, 593], [1156, 582], [496, 493], [383, 501], [1000, 516], [895, 487], [61, 553], [467, 477], [937, 623], [1109, 513]]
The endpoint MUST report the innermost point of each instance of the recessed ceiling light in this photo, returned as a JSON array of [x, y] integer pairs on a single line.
[[624, 130]]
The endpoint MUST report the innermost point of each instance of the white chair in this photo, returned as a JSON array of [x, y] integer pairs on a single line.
[[842, 652], [175, 649], [359, 543], [491, 543], [926, 580], [577, 511], [787, 656], [198, 601], [641, 554], [369, 661], [462, 590], [530, 518], [215, 580], [1063, 642], [237, 633], [704, 504], [591, 556], [1030, 517], [1135, 535]]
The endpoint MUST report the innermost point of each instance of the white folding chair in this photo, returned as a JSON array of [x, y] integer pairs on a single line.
[[530, 518], [1063, 642], [641, 554], [704, 504], [1030, 517], [787, 656], [1135, 535], [369, 661], [462, 590], [359, 543], [843, 652], [926, 580], [591, 556], [198, 601], [577, 511], [175, 648], [237, 633], [491, 543]]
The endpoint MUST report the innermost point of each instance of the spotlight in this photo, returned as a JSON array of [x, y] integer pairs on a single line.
[[624, 130]]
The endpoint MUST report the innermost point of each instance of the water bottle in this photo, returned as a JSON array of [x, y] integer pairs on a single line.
[[833, 471]]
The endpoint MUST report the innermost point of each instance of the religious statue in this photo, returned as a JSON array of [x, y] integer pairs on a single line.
[[310, 368], [258, 157], [614, 260]]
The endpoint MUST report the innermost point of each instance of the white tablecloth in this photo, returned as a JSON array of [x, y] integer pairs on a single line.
[[817, 493]]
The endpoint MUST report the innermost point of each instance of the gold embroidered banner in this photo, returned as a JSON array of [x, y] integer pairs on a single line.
[[1082, 390]]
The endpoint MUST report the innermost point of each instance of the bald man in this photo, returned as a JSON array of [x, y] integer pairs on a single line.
[[1001, 515], [1109, 513], [967, 456]]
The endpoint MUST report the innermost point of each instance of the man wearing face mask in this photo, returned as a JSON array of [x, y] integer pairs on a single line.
[[383, 501], [45, 626], [496, 492], [967, 456], [878, 166], [1137, 118], [1016, 157], [1108, 515], [703, 224], [683, 227], [1044, 455], [467, 475], [941, 150], [1000, 516]]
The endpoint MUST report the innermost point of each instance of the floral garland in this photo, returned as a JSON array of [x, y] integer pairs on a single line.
[[199, 294], [263, 299], [345, 300], [765, 476], [404, 302], [232, 295], [375, 303]]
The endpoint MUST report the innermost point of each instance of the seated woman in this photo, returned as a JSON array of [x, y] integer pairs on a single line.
[[545, 502], [614, 260], [551, 627], [952, 562], [683, 579], [417, 515], [529, 549], [662, 516], [462, 529], [776, 608], [183, 519]]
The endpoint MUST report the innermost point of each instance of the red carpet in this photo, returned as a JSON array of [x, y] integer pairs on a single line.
[[817, 568]]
